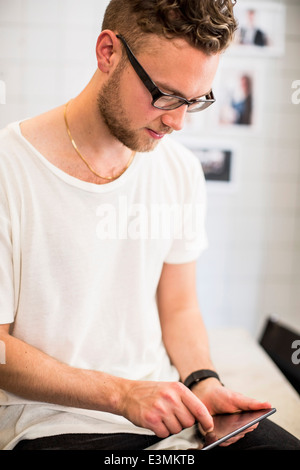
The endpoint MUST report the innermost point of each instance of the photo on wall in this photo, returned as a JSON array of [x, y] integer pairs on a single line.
[[218, 160], [238, 90], [216, 163], [261, 29]]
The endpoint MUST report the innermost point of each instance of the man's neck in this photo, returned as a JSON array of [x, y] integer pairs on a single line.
[[48, 134], [90, 132]]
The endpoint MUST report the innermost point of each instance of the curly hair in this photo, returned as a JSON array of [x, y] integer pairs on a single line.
[[208, 25]]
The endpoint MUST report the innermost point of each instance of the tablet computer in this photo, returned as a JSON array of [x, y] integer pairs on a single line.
[[226, 426]]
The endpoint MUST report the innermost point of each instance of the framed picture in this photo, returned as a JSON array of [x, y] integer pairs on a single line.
[[261, 29], [218, 160], [216, 163], [238, 93]]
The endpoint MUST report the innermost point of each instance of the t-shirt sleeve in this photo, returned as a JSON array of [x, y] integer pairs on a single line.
[[190, 238], [6, 262]]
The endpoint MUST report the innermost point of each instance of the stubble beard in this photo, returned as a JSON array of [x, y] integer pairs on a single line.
[[114, 116]]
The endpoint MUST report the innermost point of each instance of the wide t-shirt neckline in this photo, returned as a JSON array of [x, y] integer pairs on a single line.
[[72, 180]]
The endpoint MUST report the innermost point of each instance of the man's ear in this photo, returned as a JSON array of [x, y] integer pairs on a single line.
[[108, 51]]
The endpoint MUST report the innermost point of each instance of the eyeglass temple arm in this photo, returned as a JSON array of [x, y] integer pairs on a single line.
[[137, 67], [153, 89]]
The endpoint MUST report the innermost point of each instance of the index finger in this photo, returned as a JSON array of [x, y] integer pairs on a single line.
[[198, 410]]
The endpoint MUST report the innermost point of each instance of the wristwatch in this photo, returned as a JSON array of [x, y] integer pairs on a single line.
[[198, 376]]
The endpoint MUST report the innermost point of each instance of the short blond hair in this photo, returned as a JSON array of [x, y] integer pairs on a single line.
[[208, 25]]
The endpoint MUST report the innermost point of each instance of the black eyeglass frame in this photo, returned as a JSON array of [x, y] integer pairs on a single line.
[[156, 93]]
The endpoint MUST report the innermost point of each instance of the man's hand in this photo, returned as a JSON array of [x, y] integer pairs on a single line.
[[219, 399], [164, 407]]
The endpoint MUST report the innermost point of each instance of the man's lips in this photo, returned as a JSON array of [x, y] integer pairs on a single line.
[[156, 135]]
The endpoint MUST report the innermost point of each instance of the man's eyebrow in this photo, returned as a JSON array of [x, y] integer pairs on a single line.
[[173, 91]]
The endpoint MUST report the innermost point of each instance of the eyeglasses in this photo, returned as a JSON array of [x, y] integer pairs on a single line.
[[163, 100]]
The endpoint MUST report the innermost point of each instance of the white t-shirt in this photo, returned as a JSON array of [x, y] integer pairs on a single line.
[[79, 268]]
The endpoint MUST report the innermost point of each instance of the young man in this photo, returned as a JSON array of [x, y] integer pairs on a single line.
[[98, 306]]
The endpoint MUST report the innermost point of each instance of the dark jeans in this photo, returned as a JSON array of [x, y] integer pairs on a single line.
[[268, 436]]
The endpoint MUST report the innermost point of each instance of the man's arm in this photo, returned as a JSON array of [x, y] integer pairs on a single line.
[[163, 407], [186, 340], [184, 333], [32, 374]]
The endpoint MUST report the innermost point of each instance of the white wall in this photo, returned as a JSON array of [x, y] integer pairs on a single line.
[[252, 266], [47, 52]]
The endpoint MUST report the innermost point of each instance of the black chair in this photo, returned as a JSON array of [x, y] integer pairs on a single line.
[[283, 346]]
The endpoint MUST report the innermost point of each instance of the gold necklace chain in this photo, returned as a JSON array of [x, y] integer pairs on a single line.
[[109, 178]]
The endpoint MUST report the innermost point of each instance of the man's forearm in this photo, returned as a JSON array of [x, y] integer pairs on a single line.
[[32, 374], [186, 341], [163, 407], [184, 333]]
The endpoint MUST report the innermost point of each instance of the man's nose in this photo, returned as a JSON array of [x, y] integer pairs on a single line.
[[175, 118]]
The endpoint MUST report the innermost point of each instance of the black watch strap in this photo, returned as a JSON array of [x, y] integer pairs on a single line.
[[199, 375]]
